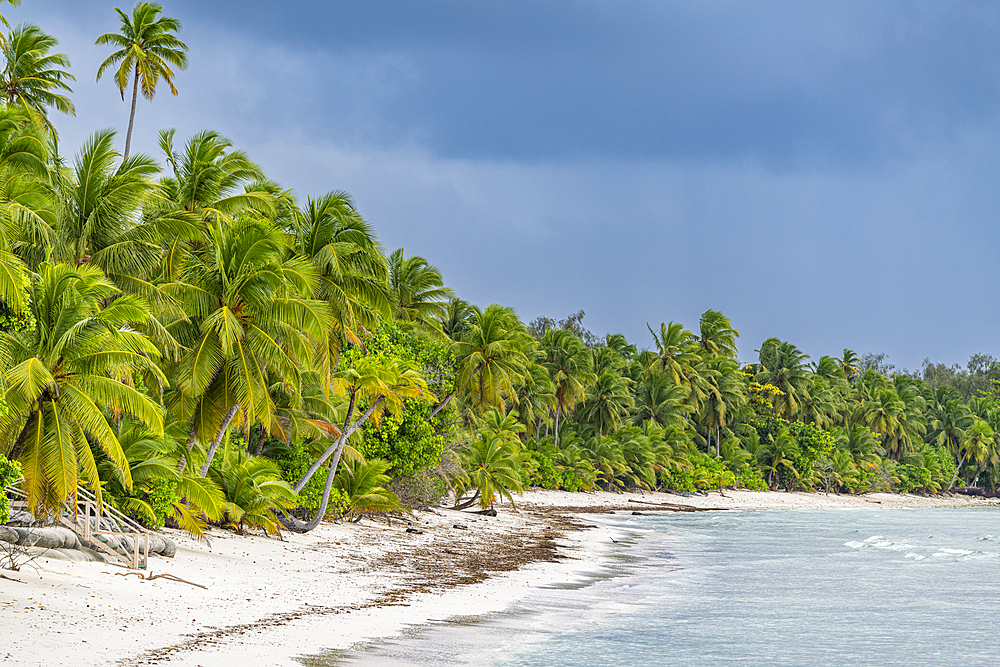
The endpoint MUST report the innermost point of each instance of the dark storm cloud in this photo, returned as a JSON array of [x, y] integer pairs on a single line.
[[823, 172], [784, 82]]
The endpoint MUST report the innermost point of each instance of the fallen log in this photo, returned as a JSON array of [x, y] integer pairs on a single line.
[[674, 507]]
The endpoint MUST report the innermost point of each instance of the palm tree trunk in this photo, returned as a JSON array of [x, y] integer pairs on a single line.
[[131, 118], [440, 406], [218, 438], [260, 442], [338, 445], [296, 526], [469, 502], [955, 476], [293, 524], [558, 406]]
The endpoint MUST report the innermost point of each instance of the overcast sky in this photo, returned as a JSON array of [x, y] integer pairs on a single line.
[[824, 172]]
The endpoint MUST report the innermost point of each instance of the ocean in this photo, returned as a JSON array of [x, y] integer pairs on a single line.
[[831, 587]]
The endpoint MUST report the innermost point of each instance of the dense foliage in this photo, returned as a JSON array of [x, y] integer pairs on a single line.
[[197, 345]]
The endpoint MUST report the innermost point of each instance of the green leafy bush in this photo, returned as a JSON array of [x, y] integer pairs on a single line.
[[911, 477], [408, 443], [750, 478]]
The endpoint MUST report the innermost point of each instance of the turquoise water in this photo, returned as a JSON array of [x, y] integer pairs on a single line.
[[871, 587]]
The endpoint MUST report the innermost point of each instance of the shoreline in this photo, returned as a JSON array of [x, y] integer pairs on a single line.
[[269, 600]]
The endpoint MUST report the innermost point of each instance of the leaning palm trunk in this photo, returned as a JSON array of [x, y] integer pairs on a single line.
[[955, 476], [218, 438], [469, 502], [296, 526], [336, 450]]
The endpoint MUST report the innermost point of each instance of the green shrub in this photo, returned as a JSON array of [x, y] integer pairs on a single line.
[[407, 443], [910, 477], [751, 479]]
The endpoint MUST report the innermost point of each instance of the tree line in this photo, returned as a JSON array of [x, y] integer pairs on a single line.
[[197, 344]]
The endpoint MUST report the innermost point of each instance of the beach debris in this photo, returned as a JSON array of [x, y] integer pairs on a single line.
[[461, 526], [673, 507], [414, 531], [150, 577]]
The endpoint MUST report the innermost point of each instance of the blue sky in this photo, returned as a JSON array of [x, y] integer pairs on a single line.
[[824, 172]]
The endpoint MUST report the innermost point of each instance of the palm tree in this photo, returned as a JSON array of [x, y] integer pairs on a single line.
[[352, 272], [26, 207], [570, 365], [717, 335], [659, 400], [384, 386], [418, 290], [851, 363], [455, 319], [363, 485], [726, 395], [33, 77], [608, 401], [784, 366], [948, 423], [492, 357], [100, 216], [536, 397], [493, 470], [67, 375], [677, 351], [976, 445], [210, 182], [245, 317], [147, 49], [253, 489]]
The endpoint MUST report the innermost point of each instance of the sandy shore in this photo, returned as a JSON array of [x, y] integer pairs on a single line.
[[266, 601]]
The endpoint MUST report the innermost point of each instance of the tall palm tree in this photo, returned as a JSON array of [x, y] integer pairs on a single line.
[[417, 288], [784, 366], [352, 272], [726, 395], [492, 357], [677, 350], [383, 386], [570, 365], [246, 316], [717, 335], [147, 49], [67, 375], [33, 77]]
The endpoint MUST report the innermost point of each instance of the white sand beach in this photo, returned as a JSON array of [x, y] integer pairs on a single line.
[[267, 600]]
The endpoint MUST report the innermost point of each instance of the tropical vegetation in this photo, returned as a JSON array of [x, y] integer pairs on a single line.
[[197, 345]]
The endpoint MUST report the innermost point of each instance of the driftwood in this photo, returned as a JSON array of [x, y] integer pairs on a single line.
[[975, 491], [674, 507], [150, 576]]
